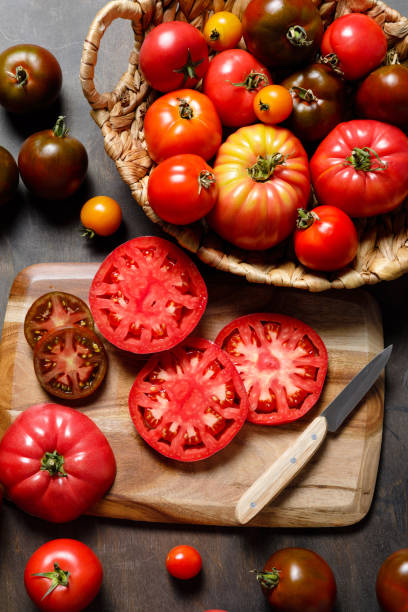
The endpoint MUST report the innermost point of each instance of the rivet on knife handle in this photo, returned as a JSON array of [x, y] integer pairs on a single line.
[[282, 471]]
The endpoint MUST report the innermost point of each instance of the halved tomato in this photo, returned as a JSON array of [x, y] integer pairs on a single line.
[[55, 309], [70, 363], [282, 362], [188, 403], [147, 295]]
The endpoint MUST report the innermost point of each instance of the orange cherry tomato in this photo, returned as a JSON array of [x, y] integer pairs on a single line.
[[273, 104], [223, 30], [101, 215]]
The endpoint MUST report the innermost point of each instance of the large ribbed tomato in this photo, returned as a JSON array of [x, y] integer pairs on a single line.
[[262, 174]]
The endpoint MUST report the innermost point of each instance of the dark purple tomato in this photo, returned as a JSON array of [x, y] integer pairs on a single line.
[[383, 95], [8, 176]]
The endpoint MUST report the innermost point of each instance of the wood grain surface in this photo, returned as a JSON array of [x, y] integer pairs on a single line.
[[149, 487]]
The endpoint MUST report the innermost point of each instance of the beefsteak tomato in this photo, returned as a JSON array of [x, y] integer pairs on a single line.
[[233, 79], [262, 174], [147, 295], [392, 582], [63, 575], [283, 34], [296, 579], [361, 167], [282, 363], [174, 54], [188, 403], [55, 463], [183, 121]]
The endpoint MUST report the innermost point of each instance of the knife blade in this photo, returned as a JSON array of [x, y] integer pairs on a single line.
[[269, 484]]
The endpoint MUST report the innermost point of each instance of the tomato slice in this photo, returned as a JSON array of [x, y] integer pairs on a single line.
[[55, 309], [282, 362], [70, 363], [188, 403], [147, 296]]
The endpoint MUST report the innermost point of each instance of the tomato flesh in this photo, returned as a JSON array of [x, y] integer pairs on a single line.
[[55, 309], [282, 362], [188, 403], [147, 295], [70, 363]]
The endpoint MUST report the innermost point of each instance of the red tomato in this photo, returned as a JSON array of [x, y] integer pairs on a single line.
[[52, 164], [173, 54], [343, 39], [295, 579], [147, 295], [55, 309], [361, 167], [188, 403], [183, 562], [182, 189], [282, 363], [222, 31], [325, 238], [183, 121], [262, 175], [63, 575], [30, 78], [232, 81], [55, 463], [392, 582], [9, 176], [70, 363], [100, 215]]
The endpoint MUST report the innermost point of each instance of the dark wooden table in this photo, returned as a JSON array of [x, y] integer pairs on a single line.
[[133, 554]]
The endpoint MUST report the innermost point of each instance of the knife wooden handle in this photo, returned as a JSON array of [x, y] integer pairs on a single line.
[[282, 471]]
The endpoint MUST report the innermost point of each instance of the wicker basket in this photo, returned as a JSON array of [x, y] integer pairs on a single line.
[[383, 249]]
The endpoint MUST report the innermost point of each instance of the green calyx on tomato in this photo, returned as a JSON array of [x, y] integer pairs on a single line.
[[333, 62], [58, 577], [53, 463], [361, 159], [264, 167], [304, 94], [253, 81], [189, 69], [305, 218], [268, 579], [21, 76], [205, 179], [185, 110], [60, 130], [297, 36]]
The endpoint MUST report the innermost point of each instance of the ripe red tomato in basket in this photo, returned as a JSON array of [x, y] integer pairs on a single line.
[[282, 362], [262, 174], [55, 463], [182, 189], [147, 295], [183, 121], [189, 402], [233, 79], [392, 582], [356, 45], [361, 167], [173, 55]]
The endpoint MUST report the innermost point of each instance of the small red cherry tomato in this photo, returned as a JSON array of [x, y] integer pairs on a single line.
[[101, 215], [325, 238], [392, 582], [223, 30], [183, 562], [273, 104], [182, 189]]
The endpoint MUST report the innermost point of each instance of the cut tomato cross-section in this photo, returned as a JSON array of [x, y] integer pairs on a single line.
[[282, 362], [188, 402]]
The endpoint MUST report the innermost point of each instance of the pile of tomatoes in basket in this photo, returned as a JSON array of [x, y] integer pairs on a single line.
[[245, 138]]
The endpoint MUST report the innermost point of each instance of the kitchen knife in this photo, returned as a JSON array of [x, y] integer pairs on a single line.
[[283, 470]]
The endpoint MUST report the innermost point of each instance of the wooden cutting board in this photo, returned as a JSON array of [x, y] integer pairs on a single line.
[[335, 489]]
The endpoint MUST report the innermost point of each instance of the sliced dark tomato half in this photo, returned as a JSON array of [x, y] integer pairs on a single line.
[[70, 363], [55, 309], [147, 296], [282, 362], [188, 402]]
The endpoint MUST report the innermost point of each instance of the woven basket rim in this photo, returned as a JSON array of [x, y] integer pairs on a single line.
[[383, 246]]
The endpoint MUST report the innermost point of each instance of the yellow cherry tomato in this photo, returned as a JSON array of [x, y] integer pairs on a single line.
[[223, 30], [273, 104], [101, 215]]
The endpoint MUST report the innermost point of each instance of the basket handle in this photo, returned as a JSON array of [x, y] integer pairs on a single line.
[[125, 9]]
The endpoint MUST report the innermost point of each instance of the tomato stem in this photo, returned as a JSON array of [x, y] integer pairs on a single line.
[[361, 159], [297, 36], [263, 106], [304, 94], [53, 463], [87, 233], [58, 577], [306, 218], [20, 75], [264, 167], [188, 70], [185, 110], [205, 179], [214, 34], [60, 130], [268, 579], [333, 62], [253, 81]]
